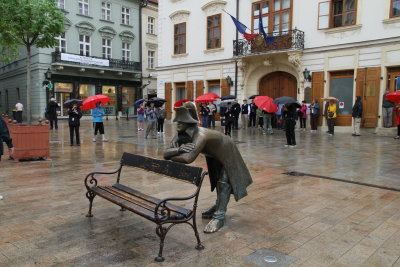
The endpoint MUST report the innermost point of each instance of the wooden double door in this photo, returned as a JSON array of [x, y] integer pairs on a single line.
[[277, 84]]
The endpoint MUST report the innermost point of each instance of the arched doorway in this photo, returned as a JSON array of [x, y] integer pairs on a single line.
[[277, 84]]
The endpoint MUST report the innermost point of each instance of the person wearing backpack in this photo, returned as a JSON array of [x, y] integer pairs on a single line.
[[160, 119]]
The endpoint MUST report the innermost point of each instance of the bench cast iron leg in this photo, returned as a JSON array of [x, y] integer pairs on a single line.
[[194, 226], [161, 232], [90, 195]]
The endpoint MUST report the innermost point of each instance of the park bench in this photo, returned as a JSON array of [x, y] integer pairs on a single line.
[[160, 211]]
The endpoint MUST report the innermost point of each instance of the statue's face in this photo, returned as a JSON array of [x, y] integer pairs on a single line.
[[181, 126]]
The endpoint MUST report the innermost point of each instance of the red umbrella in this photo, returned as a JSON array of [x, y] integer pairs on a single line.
[[394, 97], [90, 102], [179, 103], [209, 97], [266, 103]]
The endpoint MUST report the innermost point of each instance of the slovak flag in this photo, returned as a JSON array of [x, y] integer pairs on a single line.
[[242, 29]]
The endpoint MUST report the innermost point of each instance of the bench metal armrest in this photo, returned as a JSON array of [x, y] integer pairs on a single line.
[[93, 181], [165, 212]]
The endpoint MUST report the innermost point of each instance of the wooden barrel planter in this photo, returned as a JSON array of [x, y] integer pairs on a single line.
[[30, 142]]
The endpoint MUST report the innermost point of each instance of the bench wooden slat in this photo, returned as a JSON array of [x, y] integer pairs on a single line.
[[154, 200], [174, 170], [123, 203]]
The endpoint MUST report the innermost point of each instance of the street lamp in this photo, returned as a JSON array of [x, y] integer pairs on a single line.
[[48, 74], [307, 75], [229, 80]]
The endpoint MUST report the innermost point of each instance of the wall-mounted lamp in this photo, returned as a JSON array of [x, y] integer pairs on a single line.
[[229, 80], [307, 75]]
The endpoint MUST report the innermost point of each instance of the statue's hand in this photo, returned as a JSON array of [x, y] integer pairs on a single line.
[[186, 148]]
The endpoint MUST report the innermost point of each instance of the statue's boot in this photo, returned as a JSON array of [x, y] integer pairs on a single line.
[[224, 190], [207, 214]]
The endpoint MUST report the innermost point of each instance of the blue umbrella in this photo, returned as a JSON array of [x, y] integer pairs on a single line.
[[138, 102]]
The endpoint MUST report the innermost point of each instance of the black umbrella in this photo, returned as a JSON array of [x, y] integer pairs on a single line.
[[157, 99], [70, 102], [286, 100], [253, 96], [225, 97]]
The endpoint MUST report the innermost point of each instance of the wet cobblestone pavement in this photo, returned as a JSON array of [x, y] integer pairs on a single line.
[[315, 221]]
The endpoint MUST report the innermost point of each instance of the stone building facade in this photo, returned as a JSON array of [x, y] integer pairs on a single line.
[[350, 48], [99, 53]]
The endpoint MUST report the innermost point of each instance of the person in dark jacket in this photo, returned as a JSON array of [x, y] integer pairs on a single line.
[[6, 138], [205, 114], [253, 114], [314, 112], [52, 107], [289, 115], [357, 115], [229, 119], [74, 118], [236, 114]]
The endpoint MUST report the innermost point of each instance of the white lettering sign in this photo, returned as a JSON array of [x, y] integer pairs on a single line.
[[85, 60]]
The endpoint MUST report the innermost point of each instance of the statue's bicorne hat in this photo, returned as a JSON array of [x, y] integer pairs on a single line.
[[183, 115], [192, 110]]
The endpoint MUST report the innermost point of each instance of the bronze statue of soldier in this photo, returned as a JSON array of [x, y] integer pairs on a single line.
[[227, 171]]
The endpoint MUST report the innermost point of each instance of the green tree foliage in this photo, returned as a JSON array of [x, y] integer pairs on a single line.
[[28, 23]]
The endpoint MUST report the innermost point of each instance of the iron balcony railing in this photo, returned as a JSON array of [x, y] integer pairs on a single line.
[[117, 64], [282, 41]]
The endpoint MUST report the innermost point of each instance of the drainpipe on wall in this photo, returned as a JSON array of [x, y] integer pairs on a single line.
[[142, 4], [237, 46]]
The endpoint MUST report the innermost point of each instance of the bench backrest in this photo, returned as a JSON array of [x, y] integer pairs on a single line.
[[174, 170]]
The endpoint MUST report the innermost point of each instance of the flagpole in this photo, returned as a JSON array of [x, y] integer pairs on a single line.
[[237, 48]]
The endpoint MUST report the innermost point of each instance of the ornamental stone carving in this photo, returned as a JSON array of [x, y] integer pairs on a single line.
[[213, 7], [107, 32], [85, 28], [179, 16], [127, 36], [67, 24], [151, 45], [267, 62], [295, 60]]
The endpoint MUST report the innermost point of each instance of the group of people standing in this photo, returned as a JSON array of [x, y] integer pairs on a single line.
[[154, 116]]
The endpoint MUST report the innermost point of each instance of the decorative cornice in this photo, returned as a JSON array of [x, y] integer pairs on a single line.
[[391, 20], [107, 32], [127, 36], [179, 16], [213, 3], [343, 29], [85, 28]]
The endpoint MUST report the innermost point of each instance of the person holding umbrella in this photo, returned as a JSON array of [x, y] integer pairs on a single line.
[[160, 119], [74, 117], [289, 115], [229, 118], [397, 112], [205, 114], [151, 117], [253, 114], [97, 114]]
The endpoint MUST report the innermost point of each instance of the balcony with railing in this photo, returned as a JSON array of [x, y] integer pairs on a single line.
[[286, 41], [98, 62]]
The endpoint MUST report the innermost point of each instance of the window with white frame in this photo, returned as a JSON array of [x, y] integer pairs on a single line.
[[105, 10], [126, 51], [106, 50], [61, 4], [150, 59], [84, 45], [84, 7], [62, 43], [126, 16], [150, 25]]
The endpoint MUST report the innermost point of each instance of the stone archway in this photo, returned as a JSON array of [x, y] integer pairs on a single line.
[[277, 84]]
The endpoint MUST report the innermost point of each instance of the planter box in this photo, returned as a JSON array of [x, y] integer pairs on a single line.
[[30, 141]]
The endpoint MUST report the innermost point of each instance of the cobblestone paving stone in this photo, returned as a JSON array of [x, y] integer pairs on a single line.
[[319, 222]]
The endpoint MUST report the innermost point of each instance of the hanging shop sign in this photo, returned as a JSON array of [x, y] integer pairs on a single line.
[[85, 60]]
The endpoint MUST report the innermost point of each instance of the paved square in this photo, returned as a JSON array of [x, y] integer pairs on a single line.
[[319, 222]]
